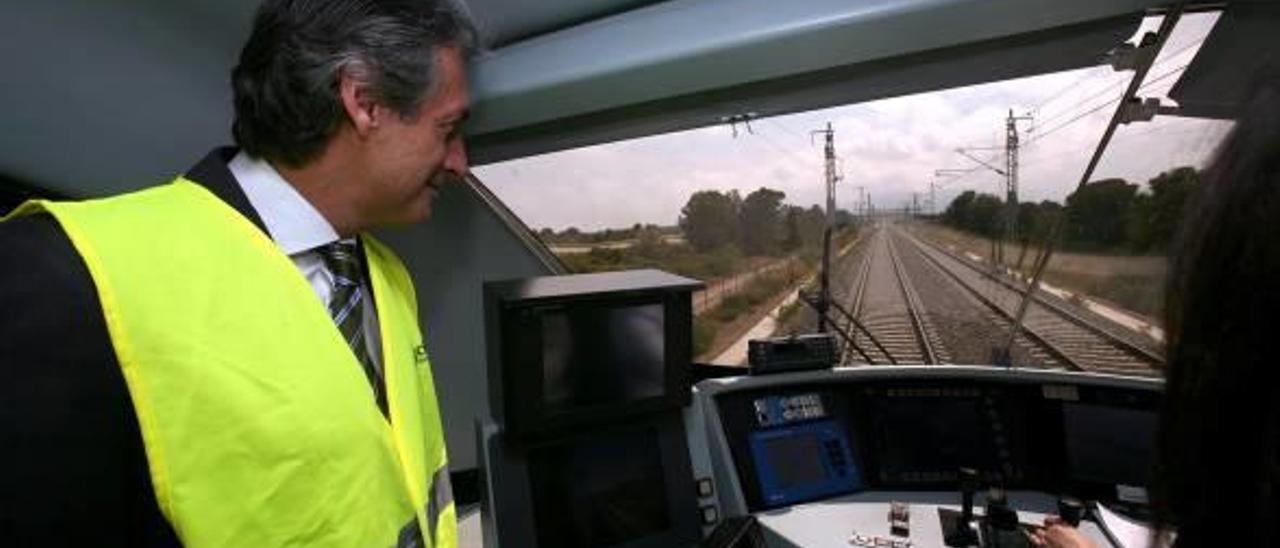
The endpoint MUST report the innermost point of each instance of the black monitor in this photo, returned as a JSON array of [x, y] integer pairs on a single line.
[[628, 487], [922, 435], [567, 352], [933, 435], [1109, 445], [597, 353]]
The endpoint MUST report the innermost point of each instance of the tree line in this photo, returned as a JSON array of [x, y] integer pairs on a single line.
[[720, 229], [573, 235], [1111, 215], [758, 224]]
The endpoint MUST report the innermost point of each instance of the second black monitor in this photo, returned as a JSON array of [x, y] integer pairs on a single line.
[[597, 353], [567, 352]]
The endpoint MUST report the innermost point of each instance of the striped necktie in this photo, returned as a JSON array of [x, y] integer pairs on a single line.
[[346, 307]]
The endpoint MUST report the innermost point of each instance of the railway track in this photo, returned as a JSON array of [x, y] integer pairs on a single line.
[[886, 304], [1061, 336]]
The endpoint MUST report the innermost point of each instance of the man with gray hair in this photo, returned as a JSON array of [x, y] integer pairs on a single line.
[[230, 359]]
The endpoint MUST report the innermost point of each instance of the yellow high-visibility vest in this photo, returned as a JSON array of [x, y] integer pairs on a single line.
[[259, 424]]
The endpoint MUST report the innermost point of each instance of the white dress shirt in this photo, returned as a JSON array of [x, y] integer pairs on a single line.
[[298, 229]]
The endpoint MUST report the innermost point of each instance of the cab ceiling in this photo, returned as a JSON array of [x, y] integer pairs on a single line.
[[102, 97]]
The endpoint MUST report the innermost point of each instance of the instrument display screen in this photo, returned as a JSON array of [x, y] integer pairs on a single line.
[[803, 462], [599, 355], [601, 491], [922, 436], [797, 460], [1109, 444]]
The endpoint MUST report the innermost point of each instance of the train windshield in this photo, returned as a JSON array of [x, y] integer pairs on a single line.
[[939, 209]]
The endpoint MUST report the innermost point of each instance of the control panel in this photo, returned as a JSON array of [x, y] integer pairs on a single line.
[[779, 410], [792, 443]]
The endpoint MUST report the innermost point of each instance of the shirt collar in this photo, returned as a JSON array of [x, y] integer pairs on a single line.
[[293, 223]]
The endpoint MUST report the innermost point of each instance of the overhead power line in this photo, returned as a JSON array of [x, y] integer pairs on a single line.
[[1078, 117], [1041, 135], [1091, 72], [1066, 111], [783, 127], [800, 161]]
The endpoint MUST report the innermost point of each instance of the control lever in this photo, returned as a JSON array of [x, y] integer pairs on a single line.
[[999, 514], [1070, 509], [1000, 528], [968, 487], [960, 531]]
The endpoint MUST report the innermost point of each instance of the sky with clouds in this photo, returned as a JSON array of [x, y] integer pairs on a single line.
[[890, 148]]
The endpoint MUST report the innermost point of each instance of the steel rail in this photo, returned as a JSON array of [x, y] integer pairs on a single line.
[[855, 301], [1074, 317], [1057, 351], [913, 305]]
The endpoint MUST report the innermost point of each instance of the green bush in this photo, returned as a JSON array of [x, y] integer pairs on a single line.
[[789, 311], [704, 334], [765, 287], [724, 261], [730, 307]]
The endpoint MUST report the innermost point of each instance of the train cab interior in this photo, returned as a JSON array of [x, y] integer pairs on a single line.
[[575, 413], [851, 456], [863, 456]]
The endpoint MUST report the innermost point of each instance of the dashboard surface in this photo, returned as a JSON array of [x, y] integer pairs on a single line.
[[843, 521], [798, 450]]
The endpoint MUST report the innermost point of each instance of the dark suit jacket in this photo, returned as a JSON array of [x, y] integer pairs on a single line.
[[75, 472]]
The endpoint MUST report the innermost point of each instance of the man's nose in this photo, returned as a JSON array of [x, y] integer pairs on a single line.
[[455, 159]]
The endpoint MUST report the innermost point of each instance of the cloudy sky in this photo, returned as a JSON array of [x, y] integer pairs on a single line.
[[890, 148]]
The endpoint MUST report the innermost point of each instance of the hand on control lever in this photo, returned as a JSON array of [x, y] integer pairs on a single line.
[[1057, 533]]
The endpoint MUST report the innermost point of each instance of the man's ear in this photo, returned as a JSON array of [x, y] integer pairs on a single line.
[[358, 102]]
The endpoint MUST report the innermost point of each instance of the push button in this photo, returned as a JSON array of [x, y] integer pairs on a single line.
[[705, 488], [710, 515]]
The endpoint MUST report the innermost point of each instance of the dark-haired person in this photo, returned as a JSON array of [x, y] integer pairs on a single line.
[[1217, 473], [229, 359]]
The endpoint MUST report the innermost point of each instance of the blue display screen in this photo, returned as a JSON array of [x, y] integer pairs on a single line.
[[803, 462]]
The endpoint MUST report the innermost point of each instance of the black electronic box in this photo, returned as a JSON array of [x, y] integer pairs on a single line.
[[795, 353], [567, 352]]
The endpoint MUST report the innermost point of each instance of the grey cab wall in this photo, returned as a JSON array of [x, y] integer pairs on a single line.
[[467, 241]]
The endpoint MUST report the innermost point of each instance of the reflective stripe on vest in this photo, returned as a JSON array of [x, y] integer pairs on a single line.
[[259, 426]]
